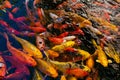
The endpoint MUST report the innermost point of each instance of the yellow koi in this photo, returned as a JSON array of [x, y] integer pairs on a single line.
[[60, 48], [71, 78], [31, 49], [84, 53], [62, 66], [110, 51], [106, 24], [79, 19], [46, 68], [102, 58], [63, 77]]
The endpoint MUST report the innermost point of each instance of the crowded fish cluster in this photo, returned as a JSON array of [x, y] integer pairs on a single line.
[[59, 39]]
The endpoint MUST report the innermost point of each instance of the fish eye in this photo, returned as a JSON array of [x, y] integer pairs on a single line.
[[40, 42]]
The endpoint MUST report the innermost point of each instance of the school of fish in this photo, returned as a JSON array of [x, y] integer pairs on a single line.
[[59, 39]]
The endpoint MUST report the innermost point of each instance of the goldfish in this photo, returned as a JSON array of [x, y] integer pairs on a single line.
[[37, 75], [52, 53], [2, 67], [23, 57], [84, 53], [102, 58], [31, 49], [46, 68], [64, 45], [77, 72]]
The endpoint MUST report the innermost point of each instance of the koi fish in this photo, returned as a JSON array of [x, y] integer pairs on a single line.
[[102, 58], [10, 15], [37, 75], [90, 62], [52, 53], [41, 15], [77, 72], [40, 42], [2, 67], [29, 48], [6, 4], [46, 68], [37, 29], [62, 66], [68, 38], [19, 54], [63, 35], [14, 10], [64, 45], [106, 24], [77, 32], [55, 40], [63, 77], [78, 19], [71, 78], [21, 71], [84, 53], [110, 51], [3, 23], [70, 49]]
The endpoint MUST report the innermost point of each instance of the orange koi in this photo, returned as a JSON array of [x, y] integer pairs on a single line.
[[41, 15], [7, 4], [63, 35], [38, 29], [55, 40], [3, 23], [77, 72], [14, 10], [77, 32], [19, 54], [2, 67], [90, 62], [70, 49], [10, 15], [52, 53]]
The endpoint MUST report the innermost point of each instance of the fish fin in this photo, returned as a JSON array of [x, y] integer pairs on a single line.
[[109, 61], [98, 61]]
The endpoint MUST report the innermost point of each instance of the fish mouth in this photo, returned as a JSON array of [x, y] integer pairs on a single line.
[[1, 65]]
